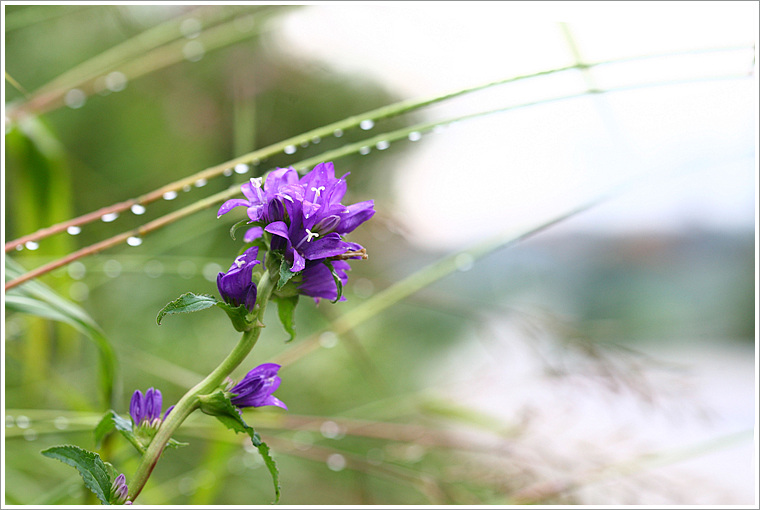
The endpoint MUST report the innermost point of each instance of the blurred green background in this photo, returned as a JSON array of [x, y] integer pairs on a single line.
[[395, 411]]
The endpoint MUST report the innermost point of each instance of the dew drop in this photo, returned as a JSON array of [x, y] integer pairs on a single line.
[[191, 28], [19, 247], [290, 149], [200, 183], [227, 172], [22, 422], [75, 98], [464, 262], [77, 270], [338, 133], [316, 140], [186, 188], [154, 268], [170, 195], [382, 145], [134, 241], [367, 124], [256, 162], [241, 168], [137, 209], [414, 136], [210, 271], [193, 51], [364, 151], [330, 429], [30, 435], [73, 230], [440, 128], [336, 462], [61, 423], [31, 245], [9, 421], [116, 81], [100, 86], [112, 268], [328, 339], [79, 291], [109, 217]]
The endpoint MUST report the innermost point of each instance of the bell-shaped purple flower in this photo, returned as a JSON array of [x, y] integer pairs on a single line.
[[235, 286], [147, 409], [256, 388], [318, 282]]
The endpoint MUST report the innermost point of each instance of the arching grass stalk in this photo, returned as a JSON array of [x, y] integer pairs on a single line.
[[190, 402]]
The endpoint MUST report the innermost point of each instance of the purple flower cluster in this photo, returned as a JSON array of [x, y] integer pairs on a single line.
[[120, 491], [306, 220], [146, 410], [256, 388]]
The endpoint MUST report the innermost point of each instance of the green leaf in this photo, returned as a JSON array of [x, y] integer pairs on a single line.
[[38, 299], [286, 307], [338, 283], [112, 420], [218, 404], [238, 315], [285, 274], [93, 471], [186, 303]]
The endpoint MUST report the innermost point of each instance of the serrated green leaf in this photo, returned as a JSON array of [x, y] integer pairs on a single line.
[[186, 303], [92, 469], [338, 282], [218, 404], [286, 308], [285, 274]]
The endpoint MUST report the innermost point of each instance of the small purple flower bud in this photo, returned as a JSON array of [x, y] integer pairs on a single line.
[[235, 286], [256, 388], [119, 490], [146, 409]]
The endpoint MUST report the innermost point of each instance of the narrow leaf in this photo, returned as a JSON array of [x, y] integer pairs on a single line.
[[338, 282], [186, 303], [238, 315], [218, 404], [236, 226], [92, 469], [286, 308]]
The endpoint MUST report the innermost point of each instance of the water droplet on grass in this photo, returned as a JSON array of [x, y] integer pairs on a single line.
[[316, 140], [61, 423], [241, 168], [414, 136], [170, 195], [336, 462], [109, 217], [22, 422], [76, 270], [75, 98], [116, 81], [338, 133], [137, 209], [330, 429], [290, 149], [193, 51], [364, 150], [112, 268], [191, 28], [367, 124], [31, 245], [382, 145], [200, 183], [73, 230], [154, 268], [134, 241], [328, 339], [227, 172]]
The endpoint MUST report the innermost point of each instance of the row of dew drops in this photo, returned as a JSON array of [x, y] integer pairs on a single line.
[[241, 168]]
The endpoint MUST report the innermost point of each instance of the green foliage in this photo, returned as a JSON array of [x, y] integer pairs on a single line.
[[286, 309], [218, 404], [338, 282], [186, 303], [92, 469]]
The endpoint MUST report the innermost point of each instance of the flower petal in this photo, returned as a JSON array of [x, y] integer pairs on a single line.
[[252, 234], [231, 204], [356, 215]]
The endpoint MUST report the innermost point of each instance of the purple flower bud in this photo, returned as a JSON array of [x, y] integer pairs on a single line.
[[256, 388], [119, 490], [235, 286], [146, 409]]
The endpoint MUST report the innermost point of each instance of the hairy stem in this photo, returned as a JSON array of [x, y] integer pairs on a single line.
[[189, 402]]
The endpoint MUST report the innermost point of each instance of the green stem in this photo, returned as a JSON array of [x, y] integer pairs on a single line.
[[189, 402]]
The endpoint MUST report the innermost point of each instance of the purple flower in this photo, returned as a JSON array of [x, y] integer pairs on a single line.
[[147, 409], [235, 286], [256, 388], [270, 203], [318, 282], [119, 490]]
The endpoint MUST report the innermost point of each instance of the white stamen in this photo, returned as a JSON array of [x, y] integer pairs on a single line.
[[256, 182], [239, 261], [317, 191], [310, 235]]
